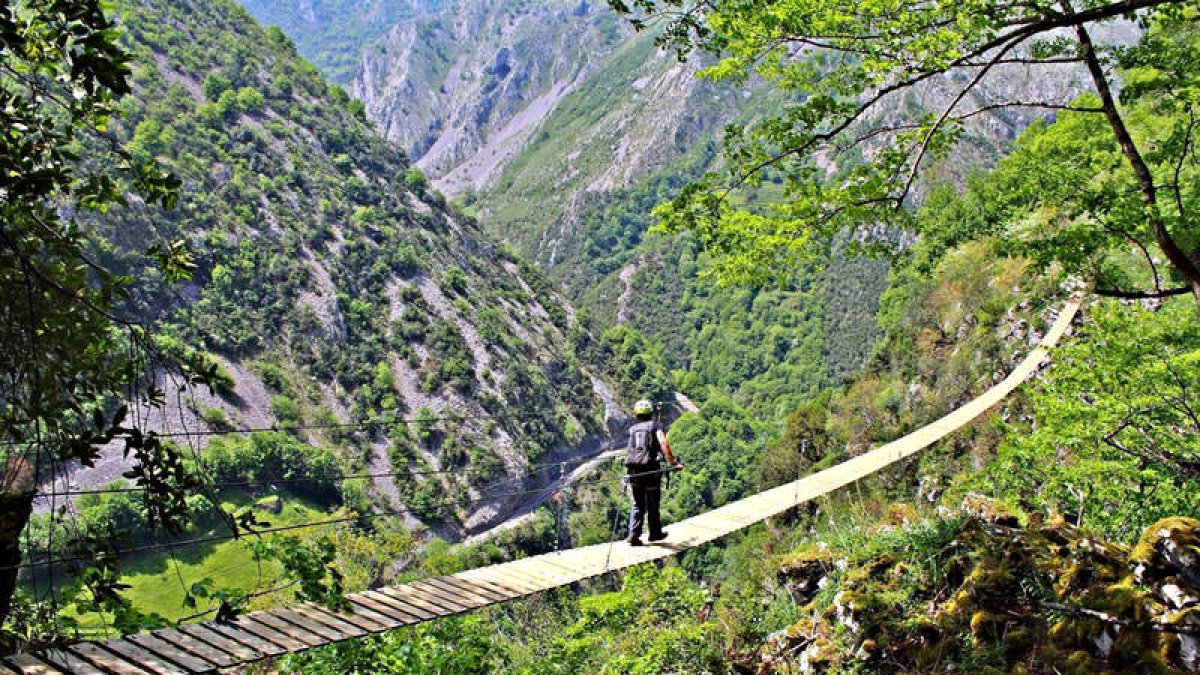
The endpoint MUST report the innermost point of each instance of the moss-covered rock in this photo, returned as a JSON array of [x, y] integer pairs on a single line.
[[990, 596], [270, 504], [1168, 548], [803, 572]]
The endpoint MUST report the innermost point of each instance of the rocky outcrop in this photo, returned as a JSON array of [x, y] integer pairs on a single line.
[[987, 592]]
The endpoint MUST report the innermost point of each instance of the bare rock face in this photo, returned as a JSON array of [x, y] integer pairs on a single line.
[[463, 88]]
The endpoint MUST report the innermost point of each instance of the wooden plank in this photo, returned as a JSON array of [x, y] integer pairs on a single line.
[[386, 621], [301, 623], [694, 533], [488, 595], [356, 620], [28, 664], [372, 603], [565, 569], [147, 659], [273, 635], [429, 611], [200, 648], [516, 572], [590, 555], [185, 659], [461, 593], [461, 589], [346, 630], [240, 651], [373, 598], [726, 518], [506, 592], [539, 582], [491, 576], [71, 663], [278, 620], [517, 569], [724, 524], [578, 568], [422, 613], [440, 596], [431, 596], [596, 561], [252, 640], [652, 552], [582, 559], [105, 660], [559, 563], [5, 669], [406, 592], [551, 574]]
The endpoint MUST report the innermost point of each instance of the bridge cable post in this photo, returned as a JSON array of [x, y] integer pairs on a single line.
[[562, 493], [616, 527], [800, 470]]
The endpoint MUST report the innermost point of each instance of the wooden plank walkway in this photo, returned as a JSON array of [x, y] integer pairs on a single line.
[[209, 646]]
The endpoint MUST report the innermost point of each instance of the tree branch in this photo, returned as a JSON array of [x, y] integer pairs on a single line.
[[1124, 623], [1176, 255], [1188, 411], [1142, 247], [1029, 104], [875, 133], [67, 295], [924, 146], [1004, 42], [1025, 62], [1183, 153], [1141, 295]]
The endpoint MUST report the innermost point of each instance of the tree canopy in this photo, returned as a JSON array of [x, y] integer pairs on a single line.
[[854, 142], [68, 356]]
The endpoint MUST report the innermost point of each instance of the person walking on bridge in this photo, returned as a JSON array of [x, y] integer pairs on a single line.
[[647, 443]]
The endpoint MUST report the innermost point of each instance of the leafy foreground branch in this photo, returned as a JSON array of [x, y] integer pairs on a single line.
[[886, 92], [70, 360]]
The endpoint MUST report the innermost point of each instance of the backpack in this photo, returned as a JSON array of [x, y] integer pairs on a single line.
[[643, 447]]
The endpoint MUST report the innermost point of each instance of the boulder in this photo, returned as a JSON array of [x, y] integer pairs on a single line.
[[271, 504]]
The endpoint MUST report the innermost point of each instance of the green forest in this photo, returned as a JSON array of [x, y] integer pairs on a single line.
[[252, 358]]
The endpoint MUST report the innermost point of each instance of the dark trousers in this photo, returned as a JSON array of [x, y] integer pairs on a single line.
[[646, 498]]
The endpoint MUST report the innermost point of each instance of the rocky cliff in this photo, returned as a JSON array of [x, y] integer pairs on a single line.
[[464, 89]]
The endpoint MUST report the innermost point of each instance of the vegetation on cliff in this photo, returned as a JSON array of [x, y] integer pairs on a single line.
[[328, 291]]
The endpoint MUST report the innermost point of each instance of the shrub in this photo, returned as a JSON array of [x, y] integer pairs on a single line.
[[214, 85], [285, 409], [214, 417], [415, 180]]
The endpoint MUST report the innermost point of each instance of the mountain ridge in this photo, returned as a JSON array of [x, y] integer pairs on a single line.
[[331, 287]]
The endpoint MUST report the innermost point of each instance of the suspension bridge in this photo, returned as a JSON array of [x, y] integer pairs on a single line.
[[215, 645]]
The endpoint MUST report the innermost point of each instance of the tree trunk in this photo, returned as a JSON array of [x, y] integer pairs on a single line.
[[16, 505], [1178, 258]]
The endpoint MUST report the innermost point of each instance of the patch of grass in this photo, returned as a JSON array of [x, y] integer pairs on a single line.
[[158, 582]]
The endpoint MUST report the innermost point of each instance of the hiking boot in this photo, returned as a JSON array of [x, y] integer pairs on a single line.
[[658, 537], [633, 541]]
